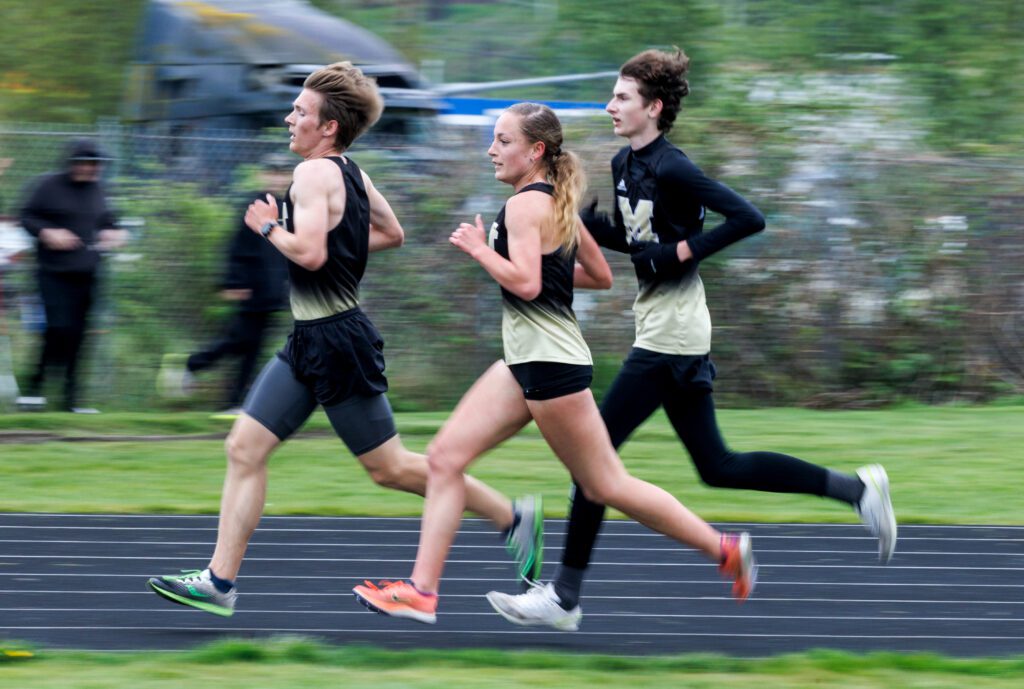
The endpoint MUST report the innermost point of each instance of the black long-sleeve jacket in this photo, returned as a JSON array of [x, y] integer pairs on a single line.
[[256, 265], [81, 207], [662, 196]]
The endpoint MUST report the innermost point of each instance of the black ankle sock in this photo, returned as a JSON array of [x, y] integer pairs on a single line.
[[222, 585], [568, 582], [846, 487], [516, 518]]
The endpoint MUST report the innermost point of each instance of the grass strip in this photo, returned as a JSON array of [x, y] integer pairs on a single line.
[[287, 663], [947, 465]]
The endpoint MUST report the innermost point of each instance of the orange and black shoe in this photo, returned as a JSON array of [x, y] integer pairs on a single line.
[[398, 599], [738, 564]]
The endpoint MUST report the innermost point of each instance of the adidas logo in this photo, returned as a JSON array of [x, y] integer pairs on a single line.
[[622, 185]]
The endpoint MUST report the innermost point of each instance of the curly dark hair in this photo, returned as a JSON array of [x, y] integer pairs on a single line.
[[660, 75]]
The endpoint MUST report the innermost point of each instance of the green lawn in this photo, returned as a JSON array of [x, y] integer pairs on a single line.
[[946, 464], [295, 664]]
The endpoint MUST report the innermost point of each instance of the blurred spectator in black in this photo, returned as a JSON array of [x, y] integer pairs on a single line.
[[68, 214], [257, 281], [4, 164]]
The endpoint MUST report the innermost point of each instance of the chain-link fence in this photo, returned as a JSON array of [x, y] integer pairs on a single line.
[[880, 277]]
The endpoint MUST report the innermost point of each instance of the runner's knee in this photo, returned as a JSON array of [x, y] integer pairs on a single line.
[[719, 472], [244, 453], [603, 490], [389, 472], [444, 459]]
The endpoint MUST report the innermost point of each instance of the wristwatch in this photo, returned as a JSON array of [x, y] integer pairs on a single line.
[[267, 228]]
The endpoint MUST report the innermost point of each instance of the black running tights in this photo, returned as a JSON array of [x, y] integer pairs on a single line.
[[632, 398]]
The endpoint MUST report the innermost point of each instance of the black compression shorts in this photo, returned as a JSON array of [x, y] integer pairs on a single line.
[[281, 403]]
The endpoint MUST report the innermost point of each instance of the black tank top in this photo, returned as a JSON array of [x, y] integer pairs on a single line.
[[334, 287], [544, 329]]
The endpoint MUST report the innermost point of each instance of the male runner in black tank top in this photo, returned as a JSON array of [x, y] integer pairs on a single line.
[[332, 218], [661, 198]]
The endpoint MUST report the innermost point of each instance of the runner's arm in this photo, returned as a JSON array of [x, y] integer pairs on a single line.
[[592, 270], [385, 230], [307, 247]]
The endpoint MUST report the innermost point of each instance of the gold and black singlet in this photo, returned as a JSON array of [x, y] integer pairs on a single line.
[[545, 328], [334, 287]]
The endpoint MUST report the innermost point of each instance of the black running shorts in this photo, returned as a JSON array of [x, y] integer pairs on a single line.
[[546, 380], [337, 357]]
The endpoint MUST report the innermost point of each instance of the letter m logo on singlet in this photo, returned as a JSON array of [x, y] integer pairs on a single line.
[[492, 236], [637, 222]]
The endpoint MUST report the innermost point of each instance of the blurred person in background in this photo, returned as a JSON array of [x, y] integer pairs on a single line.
[[661, 198], [333, 218], [256, 281], [4, 164], [68, 214]]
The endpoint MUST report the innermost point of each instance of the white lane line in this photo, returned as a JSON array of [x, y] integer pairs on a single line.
[[758, 537], [590, 615], [611, 524], [313, 517], [347, 581], [522, 631], [762, 566], [492, 546], [347, 594]]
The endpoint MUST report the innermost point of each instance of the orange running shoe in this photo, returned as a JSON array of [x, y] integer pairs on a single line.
[[398, 599], [738, 564]]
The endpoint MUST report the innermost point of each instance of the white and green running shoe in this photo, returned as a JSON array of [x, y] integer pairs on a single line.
[[875, 509], [196, 589], [525, 542]]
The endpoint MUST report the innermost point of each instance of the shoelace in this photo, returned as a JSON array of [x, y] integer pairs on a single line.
[[189, 576], [384, 584], [536, 599]]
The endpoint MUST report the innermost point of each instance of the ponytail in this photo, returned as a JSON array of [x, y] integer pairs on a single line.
[[539, 123], [569, 180]]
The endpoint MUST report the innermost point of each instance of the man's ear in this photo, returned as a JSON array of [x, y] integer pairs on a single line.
[[656, 106], [330, 128]]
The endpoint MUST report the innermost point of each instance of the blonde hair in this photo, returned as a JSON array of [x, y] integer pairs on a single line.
[[349, 97], [538, 123]]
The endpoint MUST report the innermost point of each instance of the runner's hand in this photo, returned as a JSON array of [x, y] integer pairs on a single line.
[[260, 213], [470, 238], [656, 261]]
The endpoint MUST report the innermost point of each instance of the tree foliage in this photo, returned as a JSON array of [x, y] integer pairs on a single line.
[[65, 60]]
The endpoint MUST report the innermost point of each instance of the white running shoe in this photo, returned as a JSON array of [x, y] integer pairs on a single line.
[[538, 607], [875, 509], [30, 403], [174, 380]]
